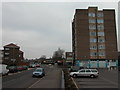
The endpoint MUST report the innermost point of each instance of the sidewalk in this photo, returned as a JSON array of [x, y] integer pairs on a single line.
[[111, 75]]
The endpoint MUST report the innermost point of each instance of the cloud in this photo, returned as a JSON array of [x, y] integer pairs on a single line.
[[40, 28]]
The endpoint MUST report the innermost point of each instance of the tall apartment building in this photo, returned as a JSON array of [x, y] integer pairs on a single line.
[[94, 39]]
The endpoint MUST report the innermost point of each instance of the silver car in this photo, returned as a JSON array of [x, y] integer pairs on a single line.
[[85, 72], [39, 72]]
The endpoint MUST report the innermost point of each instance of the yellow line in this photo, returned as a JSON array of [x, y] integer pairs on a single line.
[[75, 83]]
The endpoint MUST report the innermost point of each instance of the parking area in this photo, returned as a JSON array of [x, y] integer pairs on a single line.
[[106, 79]]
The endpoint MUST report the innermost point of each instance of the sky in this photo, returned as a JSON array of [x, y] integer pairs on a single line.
[[40, 28]]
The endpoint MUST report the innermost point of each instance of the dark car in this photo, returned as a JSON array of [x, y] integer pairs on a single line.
[[12, 69], [75, 68]]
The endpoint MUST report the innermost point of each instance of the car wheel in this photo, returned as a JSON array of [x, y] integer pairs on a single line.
[[92, 76], [33, 76], [74, 75]]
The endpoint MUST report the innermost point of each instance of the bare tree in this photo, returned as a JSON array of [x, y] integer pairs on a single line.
[[43, 57], [59, 54]]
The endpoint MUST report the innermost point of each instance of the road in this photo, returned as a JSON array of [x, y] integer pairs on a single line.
[[25, 80], [107, 80]]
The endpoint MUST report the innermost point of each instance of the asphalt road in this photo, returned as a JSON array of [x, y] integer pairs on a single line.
[[26, 81], [107, 80]]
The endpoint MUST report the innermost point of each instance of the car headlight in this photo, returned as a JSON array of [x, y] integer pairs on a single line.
[[71, 73]]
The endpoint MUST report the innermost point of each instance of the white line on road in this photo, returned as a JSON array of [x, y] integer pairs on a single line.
[[35, 83], [75, 83]]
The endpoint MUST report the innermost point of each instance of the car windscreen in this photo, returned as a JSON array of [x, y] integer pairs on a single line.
[[38, 70]]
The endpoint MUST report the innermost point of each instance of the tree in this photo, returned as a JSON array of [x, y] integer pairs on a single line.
[[43, 57], [58, 55]]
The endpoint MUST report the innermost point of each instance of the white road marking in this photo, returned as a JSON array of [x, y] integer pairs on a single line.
[[75, 83], [35, 83]]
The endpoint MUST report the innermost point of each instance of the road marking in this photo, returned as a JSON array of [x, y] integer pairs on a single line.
[[36, 82], [75, 83]]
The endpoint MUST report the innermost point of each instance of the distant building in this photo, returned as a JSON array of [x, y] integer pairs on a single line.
[[69, 58], [12, 55], [94, 38], [1, 56]]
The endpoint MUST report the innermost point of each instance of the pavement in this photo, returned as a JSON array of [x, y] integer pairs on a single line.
[[107, 80]]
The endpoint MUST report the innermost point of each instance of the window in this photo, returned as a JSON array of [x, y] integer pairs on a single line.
[[92, 21], [7, 49], [100, 27], [101, 46], [82, 71], [93, 47], [93, 40], [6, 53], [94, 70], [92, 33], [100, 33], [93, 54], [101, 40], [88, 71], [93, 27], [100, 21], [91, 14], [101, 53], [100, 14]]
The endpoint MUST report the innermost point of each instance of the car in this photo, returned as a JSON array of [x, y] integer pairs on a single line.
[[85, 72], [39, 72], [3, 69], [12, 69], [20, 68], [37, 65], [75, 68], [25, 67], [32, 65]]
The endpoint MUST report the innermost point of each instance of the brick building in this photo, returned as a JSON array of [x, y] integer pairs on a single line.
[[94, 39], [12, 55], [1, 56]]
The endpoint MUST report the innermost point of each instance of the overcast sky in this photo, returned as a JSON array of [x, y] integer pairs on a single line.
[[41, 28]]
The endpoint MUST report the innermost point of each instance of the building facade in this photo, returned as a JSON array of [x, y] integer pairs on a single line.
[[12, 55], [1, 56], [94, 38]]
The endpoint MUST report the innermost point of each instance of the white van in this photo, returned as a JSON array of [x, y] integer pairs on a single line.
[[3, 69]]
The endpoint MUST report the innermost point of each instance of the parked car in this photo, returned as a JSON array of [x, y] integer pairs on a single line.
[[85, 72], [20, 68], [75, 68], [39, 72], [3, 69], [12, 69], [25, 67], [32, 66], [37, 65]]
